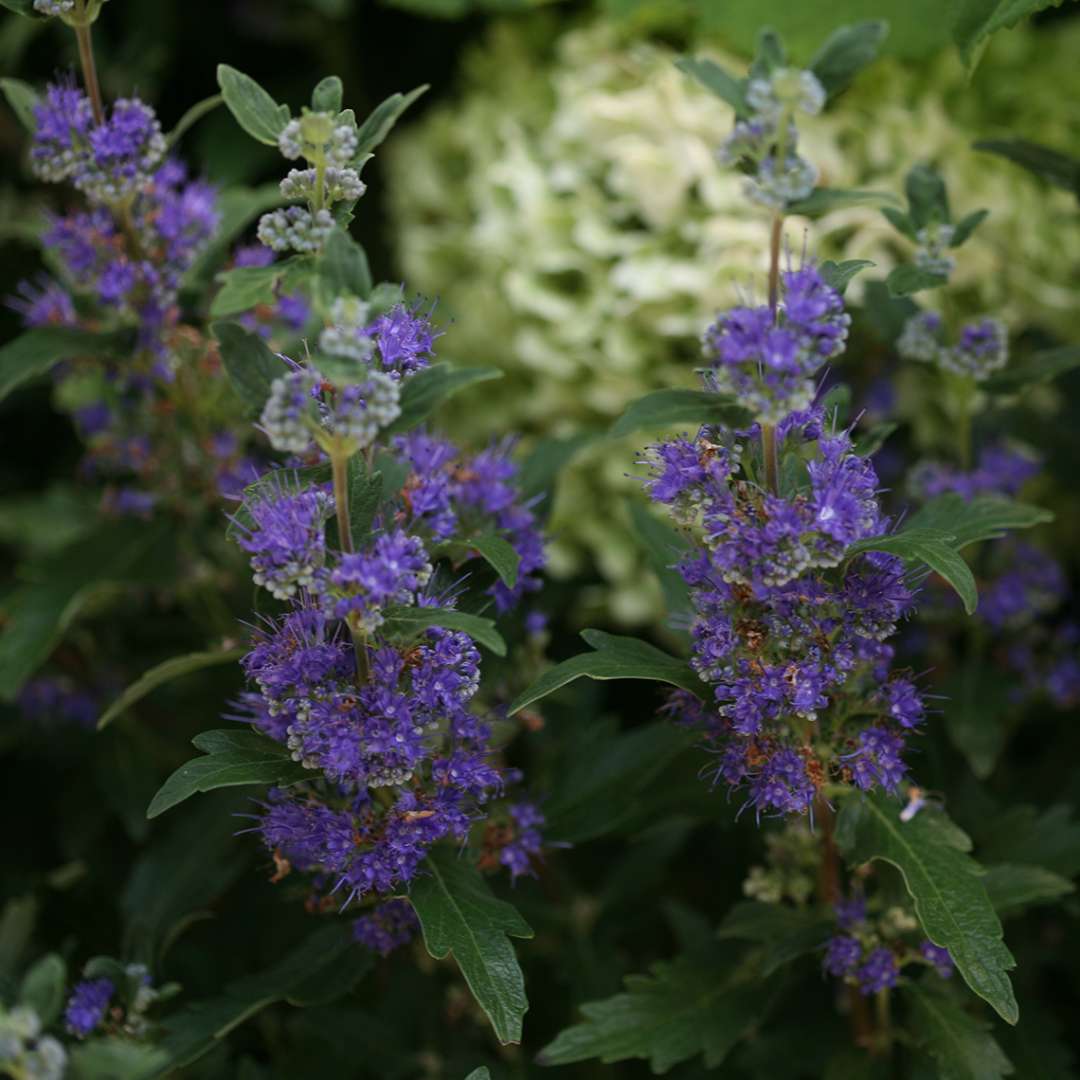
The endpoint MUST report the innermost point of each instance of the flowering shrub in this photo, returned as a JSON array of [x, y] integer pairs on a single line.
[[259, 518]]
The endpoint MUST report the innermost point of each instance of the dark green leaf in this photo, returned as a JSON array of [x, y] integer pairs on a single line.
[[165, 672], [245, 287], [22, 98], [839, 275], [192, 117], [769, 55], [365, 494], [249, 363], [252, 107], [500, 554], [428, 389], [935, 548], [1022, 835], [960, 1043], [945, 884], [1036, 1047], [21, 7], [977, 701], [1043, 367], [669, 408], [1061, 170], [928, 201], [382, 119], [36, 351], [908, 278], [199, 1028], [1013, 887], [977, 20], [407, 622], [38, 613], [327, 95], [343, 268], [786, 933], [900, 221], [115, 1058], [261, 761], [540, 469], [483, 1073], [459, 915], [823, 200], [870, 442], [713, 77], [690, 1006], [614, 658], [967, 225], [987, 517], [846, 52], [42, 988], [664, 546]]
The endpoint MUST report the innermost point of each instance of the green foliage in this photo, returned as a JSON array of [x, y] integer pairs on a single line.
[[252, 107], [430, 388], [327, 95], [839, 275], [664, 546], [249, 363], [961, 1045], [613, 657], [500, 555], [668, 408], [36, 351], [404, 623], [233, 757], [1013, 887], [977, 20], [824, 200], [22, 98], [846, 52], [697, 1004], [192, 116], [42, 988], [458, 914], [714, 78], [909, 278], [987, 517], [343, 268], [166, 671], [382, 120], [1060, 170], [1042, 367], [945, 884], [785, 933]]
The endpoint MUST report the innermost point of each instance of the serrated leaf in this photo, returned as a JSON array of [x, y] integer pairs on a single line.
[[839, 275], [248, 362], [1022, 834], [667, 408], [365, 494], [944, 882], [824, 200], [933, 547], [687, 1007], [327, 95], [252, 107], [407, 622], [846, 52], [987, 517], [343, 268], [42, 988], [1042, 367], [260, 761], [381, 120], [166, 671], [196, 1030], [977, 20], [34, 352], [614, 658], [459, 915], [961, 1044], [115, 1058], [22, 98], [1061, 170], [1014, 886], [191, 117], [714, 78], [908, 278], [425, 391], [244, 288]]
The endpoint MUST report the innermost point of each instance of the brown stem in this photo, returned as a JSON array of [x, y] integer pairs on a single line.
[[775, 239], [89, 70], [829, 870], [769, 454]]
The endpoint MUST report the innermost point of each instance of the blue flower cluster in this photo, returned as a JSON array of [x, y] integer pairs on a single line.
[[788, 631], [768, 359], [981, 349], [870, 953]]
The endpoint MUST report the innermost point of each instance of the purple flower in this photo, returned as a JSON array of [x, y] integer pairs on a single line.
[[43, 302], [518, 855], [391, 571], [842, 955], [87, 1004], [405, 339], [850, 912], [387, 927], [63, 120], [939, 957], [879, 972]]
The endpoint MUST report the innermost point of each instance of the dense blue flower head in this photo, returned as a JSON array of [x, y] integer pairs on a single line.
[[43, 302], [405, 339], [880, 971], [767, 359], [391, 571], [87, 1004], [842, 955], [527, 841], [387, 927], [1001, 469], [63, 119], [939, 957]]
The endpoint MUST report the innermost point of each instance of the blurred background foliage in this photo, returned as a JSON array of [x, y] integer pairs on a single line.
[[556, 192]]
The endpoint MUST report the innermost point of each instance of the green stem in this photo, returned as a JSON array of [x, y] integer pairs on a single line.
[[89, 68], [339, 468], [320, 185], [775, 240], [769, 454]]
